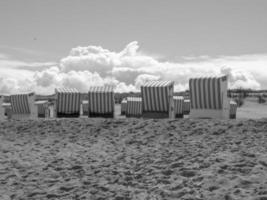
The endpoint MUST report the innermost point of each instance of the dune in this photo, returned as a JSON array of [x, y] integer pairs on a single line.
[[133, 159]]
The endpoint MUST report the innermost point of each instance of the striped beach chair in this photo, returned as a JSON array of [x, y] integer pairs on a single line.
[[101, 102], [23, 106], [2, 108], [134, 107], [208, 98], [233, 109], [85, 107], [178, 106], [186, 107], [157, 97], [68, 102], [42, 106], [123, 106]]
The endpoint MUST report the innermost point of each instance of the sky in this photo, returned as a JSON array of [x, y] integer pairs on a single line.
[[67, 43]]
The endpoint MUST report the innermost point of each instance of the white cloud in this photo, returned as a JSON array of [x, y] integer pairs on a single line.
[[128, 69]]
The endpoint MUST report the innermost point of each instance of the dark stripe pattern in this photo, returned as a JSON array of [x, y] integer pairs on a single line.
[[68, 100], [20, 103], [178, 104], [134, 106], [156, 96], [101, 100], [205, 93]]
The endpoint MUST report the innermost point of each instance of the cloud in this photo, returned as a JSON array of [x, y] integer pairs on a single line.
[[128, 69]]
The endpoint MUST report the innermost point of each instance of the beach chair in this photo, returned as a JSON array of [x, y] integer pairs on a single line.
[[42, 107], [123, 106], [2, 108], [233, 109], [134, 107], [101, 102], [186, 107], [157, 98], [178, 106], [67, 103], [208, 97], [23, 106], [85, 108]]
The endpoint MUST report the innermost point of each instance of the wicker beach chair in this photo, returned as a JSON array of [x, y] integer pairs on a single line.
[[208, 98], [178, 106], [157, 98], [123, 106], [67, 103], [186, 107], [23, 106], [134, 107], [233, 109], [2, 108], [101, 102]]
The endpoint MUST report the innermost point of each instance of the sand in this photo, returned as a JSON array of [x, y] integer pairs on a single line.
[[133, 159], [252, 109]]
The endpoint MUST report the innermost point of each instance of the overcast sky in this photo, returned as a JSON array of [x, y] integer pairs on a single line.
[[39, 34]]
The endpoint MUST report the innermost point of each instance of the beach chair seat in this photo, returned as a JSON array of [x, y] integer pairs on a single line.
[[67, 103], [178, 106], [208, 97], [134, 107], [233, 109], [157, 98], [123, 106], [101, 102]]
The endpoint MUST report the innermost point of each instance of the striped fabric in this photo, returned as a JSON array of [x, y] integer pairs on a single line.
[[178, 104], [233, 108], [123, 106], [156, 96], [205, 93], [101, 100], [20, 103], [68, 101], [186, 106], [134, 106]]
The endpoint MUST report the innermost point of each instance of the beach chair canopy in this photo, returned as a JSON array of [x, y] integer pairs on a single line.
[[68, 100], [178, 104], [134, 106], [20, 103], [206, 93], [156, 95], [101, 99]]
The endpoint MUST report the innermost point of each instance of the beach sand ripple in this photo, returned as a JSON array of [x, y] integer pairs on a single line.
[[133, 159]]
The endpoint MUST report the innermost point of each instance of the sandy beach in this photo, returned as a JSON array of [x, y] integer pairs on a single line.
[[133, 159]]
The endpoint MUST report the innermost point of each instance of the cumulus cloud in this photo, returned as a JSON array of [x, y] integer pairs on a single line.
[[128, 69]]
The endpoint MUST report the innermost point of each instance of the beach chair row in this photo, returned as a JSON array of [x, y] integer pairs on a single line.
[[208, 99], [132, 107]]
